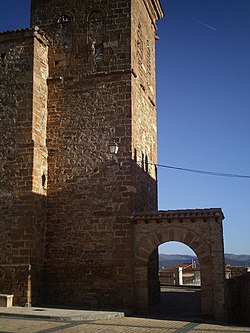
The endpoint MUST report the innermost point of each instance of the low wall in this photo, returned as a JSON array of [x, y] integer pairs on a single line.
[[238, 299], [166, 278], [15, 279]]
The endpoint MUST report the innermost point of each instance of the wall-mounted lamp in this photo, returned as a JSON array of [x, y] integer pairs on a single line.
[[113, 148]]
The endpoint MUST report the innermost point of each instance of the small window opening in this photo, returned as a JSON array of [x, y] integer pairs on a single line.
[[96, 34], [3, 55], [56, 62]]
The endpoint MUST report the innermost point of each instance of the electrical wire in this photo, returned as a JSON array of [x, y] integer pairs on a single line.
[[210, 173]]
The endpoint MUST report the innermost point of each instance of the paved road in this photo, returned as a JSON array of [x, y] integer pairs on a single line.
[[178, 303], [118, 325], [168, 316]]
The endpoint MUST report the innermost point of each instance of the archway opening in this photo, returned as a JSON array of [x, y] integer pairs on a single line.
[[176, 291]]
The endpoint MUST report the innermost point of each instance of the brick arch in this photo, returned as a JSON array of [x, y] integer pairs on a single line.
[[178, 234], [149, 234]]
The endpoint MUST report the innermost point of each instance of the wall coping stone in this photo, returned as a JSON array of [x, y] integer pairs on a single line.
[[25, 33], [215, 213]]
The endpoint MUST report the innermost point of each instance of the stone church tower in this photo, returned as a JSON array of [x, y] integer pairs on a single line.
[[81, 78]]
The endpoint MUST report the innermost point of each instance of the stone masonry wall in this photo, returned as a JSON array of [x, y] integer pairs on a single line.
[[16, 113], [144, 136], [22, 211], [89, 240], [238, 299]]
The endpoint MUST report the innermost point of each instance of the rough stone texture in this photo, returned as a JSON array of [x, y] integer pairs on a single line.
[[238, 299], [23, 96], [61, 177], [201, 230], [154, 288]]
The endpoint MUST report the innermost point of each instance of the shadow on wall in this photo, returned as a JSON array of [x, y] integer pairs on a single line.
[[238, 299], [22, 247], [145, 180], [85, 255], [89, 246]]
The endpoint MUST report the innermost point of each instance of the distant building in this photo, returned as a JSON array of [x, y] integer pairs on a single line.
[[189, 274], [184, 274]]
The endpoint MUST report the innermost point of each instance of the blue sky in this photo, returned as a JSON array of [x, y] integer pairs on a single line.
[[203, 103], [203, 85]]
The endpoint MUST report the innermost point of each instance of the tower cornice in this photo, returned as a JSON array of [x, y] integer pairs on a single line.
[[158, 8], [154, 9]]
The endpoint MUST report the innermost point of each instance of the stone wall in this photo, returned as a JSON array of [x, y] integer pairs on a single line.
[[23, 75], [144, 140], [89, 239], [16, 113], [58, 174], [95, 96], [238, 299], [154, 288]]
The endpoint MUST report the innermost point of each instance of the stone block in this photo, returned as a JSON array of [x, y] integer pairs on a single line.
[[6, 301]]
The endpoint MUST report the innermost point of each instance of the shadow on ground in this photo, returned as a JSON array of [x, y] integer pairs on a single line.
[[177, 303]]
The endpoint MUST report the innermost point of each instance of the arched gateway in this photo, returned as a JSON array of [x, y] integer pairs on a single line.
[[201, 230]]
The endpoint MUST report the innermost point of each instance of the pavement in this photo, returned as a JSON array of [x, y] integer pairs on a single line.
[[56, 314], [12, 324], [178, 303], [160, 319]]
